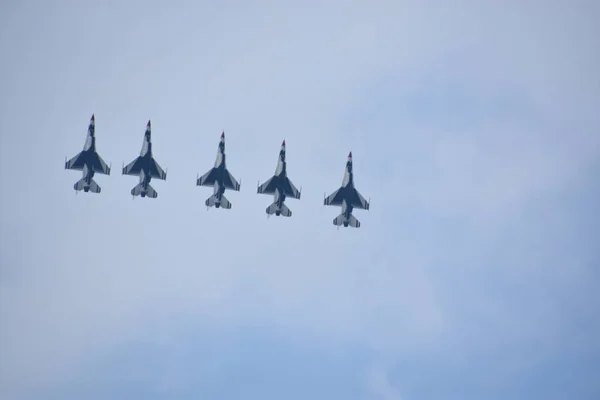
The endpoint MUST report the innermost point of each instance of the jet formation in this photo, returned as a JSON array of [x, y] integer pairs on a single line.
[[218, 177]]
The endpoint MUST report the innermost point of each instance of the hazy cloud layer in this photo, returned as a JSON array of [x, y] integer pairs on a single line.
[[474, 129]]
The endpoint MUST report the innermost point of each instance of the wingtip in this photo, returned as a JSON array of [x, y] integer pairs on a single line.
[[350, 155], [93, 118], [223, 135], [149, 124], [283, 143]]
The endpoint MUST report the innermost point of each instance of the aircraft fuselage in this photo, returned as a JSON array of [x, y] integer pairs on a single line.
[[145, 176], [278, 198], [221, 169], [280, 178], [89, 155]]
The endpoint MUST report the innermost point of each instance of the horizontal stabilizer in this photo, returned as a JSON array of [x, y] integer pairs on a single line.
[[283, 211], [82, 185], [139, 190], [342, 220], [213, 201]]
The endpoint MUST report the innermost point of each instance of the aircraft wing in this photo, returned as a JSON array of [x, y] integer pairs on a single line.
[[268, 187], [208, 179], [229, 181], [100, 166], [291, 190], [76, 162], [156, 171], [358, 201], [334, 199], [134, 167]]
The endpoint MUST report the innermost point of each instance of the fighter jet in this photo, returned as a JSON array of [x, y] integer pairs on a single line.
[[280, 187], [146, 167], [220, 179], [347, 197], [89, 162]]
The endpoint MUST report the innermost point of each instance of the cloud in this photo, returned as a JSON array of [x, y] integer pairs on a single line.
[[473, 128], [381, 386]]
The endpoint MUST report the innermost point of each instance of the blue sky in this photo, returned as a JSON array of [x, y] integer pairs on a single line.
[[474, 130]]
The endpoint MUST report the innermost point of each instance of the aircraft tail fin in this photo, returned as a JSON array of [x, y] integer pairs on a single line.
[[283, 211], [139, 190], [342, 220], [213, 201], [82, 185]]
